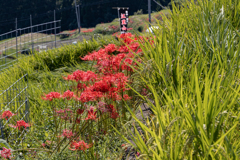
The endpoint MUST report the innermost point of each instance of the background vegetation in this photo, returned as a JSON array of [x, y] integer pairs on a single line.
[[93, 12]]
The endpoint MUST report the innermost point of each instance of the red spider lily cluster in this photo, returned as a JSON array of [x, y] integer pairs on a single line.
[[5, 153], [20, 124], [6, 115], [130, 20], [97, 94], [72, 31], [88, 30], [80, 146], [113, 27]]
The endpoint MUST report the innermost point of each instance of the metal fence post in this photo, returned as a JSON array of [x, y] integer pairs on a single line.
[[5, 54], [2, 131], [16, 40], [26, 109], [31, 33], [20, 39], [55, 28], [26, 102]]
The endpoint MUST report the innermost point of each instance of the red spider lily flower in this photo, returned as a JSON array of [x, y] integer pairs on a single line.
[[68, 95], [20, 124], [91, 115], [134, 46], [49, 142], [81, 86], [126, 97], [80, 111], [102, 86], [130, 55], [128, 61], [124, 146], [88, 30], [7, 114], [60, 111], [69, 77], [114, 95], [113, 111], [88, 96], [144, 92], [52, 95], [138, 154], [102, 106], [110, 48], [78, 120], [121, 81], [84, 76], [80, 146], [99, 55], [126, 65], [127, 38], [67, 133], [5, 153], [123, 49], [116, 34], [111, 108], [114, 115]]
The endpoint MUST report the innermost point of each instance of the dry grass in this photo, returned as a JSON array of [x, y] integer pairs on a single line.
[[25, 39]]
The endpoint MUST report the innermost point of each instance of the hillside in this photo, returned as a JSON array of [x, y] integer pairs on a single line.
[[92, 12]]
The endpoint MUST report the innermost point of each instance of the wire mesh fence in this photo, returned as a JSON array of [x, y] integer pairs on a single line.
[[23, 41], [14, 99]]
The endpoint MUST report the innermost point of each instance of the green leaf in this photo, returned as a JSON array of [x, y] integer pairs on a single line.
[[3, 143]]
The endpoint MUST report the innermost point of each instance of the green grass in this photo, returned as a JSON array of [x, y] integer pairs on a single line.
[[192, 76], [51, 62], [137, 22], [45, 71]]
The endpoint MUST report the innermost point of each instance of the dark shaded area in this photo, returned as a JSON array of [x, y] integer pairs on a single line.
[[92, 12]]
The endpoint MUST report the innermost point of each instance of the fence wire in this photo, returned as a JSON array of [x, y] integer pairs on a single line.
[[14, 99], [23, 41]]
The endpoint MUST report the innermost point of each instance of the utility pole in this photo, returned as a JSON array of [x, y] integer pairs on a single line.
[[77, 15], [79, 20], [149, 12]]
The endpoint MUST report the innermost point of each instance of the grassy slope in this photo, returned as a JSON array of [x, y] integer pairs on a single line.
[[48, 66], [45, 71], [136, 22]]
